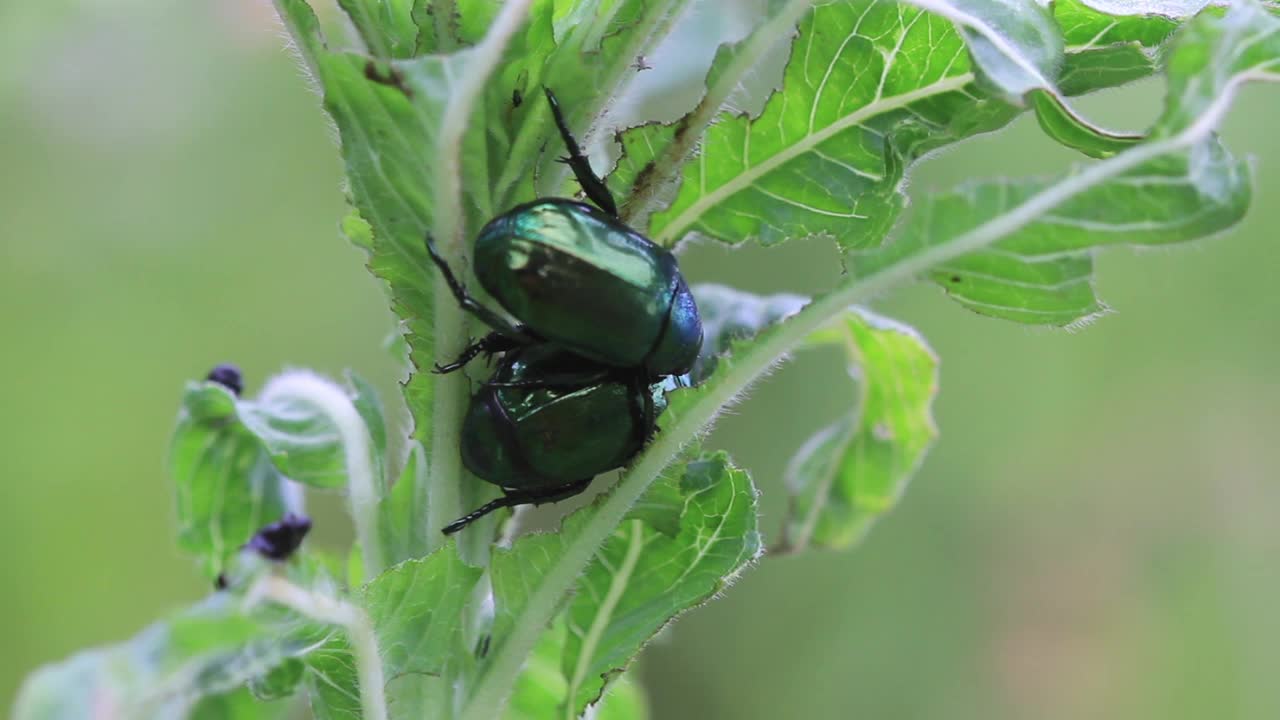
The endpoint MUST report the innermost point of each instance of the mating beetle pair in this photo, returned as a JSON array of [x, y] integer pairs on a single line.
[[605, 324]]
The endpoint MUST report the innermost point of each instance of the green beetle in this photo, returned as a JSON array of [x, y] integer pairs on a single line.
[[548, 421], [604, 322], [579, 278]]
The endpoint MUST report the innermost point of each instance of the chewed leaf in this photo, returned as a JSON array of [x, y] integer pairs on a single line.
[[1043, 274], [870, 85], [386, 26], [642, 578], [1021, 250], [1015, 45], [822, 157], [855, 470], [385, 137]]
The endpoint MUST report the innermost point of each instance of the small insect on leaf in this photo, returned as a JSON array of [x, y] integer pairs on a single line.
[[228, 376], [281, 539]]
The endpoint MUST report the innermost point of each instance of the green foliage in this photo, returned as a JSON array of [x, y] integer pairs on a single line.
[[226, 484], [855, 469], [417, 611], [208, 652], [442, 127]]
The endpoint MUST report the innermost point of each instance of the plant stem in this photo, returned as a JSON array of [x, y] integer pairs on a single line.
[[742, 370], [451, 391], [696, 122], [364, 643], [650, 29], [364, 487], [652, 26]]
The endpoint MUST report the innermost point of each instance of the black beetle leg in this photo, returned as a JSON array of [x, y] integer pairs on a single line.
[[494, 342], [518, 497], [502, 326], [591, 183], [643, 412]]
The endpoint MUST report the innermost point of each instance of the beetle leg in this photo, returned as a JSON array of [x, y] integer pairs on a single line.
[[643, 413], [591, 183], [518, 497], [502, 326], [494, 342]]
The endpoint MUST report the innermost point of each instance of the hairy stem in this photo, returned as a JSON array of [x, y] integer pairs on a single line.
[[364, 643], [653, 27], [743, 369], [364, 487], [650, 28], [713, 102], [450, 324]]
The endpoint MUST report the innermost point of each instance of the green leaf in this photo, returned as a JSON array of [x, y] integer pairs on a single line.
[[304, 28], [402, 512], [1062, 124], [1043, 274], [241, 705], [300, 438], [870, 87], [417, 611], [208, 650], [514, 573], [541, 687], [642, 578], [861, 96], [332, 682], [1212, 57], [855, 470], [585, 52], [225, 482], [366, 401], [623, 700], [1106, 50], [385, 140], [386, 26], [232, 458], [1022, 249], [1015, 44], [281, 681], [654, 153]]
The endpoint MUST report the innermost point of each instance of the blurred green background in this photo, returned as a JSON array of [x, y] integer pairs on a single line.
[[1095, 534]]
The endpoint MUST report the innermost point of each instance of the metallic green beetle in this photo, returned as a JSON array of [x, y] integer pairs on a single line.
[[548, 421], [604, 321], [577, 277]]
